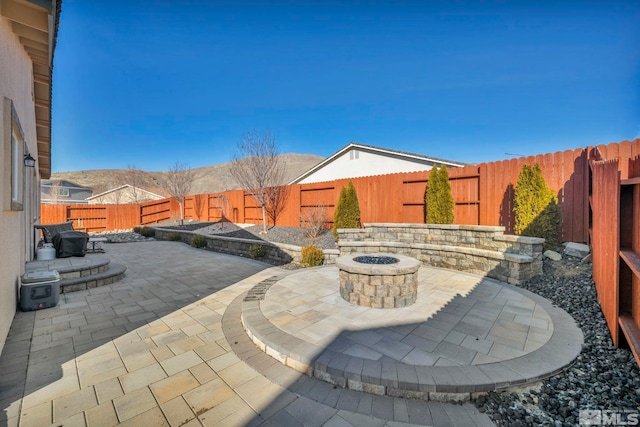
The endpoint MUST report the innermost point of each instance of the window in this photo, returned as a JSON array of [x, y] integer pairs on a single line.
[[354, 155], [14, 160], [64, 192]]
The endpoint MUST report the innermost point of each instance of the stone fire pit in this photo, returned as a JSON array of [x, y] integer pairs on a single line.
[[378, 280]]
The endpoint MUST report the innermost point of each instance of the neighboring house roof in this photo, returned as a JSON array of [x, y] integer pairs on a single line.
[[63, 183], [76, 194], [113, 190], [396, 154], [36, 22]]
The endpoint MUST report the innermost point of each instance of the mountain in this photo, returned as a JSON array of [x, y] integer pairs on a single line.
[[208, 179]]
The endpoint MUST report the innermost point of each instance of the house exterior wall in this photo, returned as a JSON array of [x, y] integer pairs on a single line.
[[124, 196], [358, 163], [77, 195], [15, 88]]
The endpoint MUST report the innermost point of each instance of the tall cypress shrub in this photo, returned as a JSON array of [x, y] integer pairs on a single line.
[[439, 202], [535, 206], [347, 213]]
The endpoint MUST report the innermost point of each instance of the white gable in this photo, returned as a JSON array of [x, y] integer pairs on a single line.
[[357, 160]]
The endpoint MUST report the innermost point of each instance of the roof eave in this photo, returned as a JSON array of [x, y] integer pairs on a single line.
[[35, 23]]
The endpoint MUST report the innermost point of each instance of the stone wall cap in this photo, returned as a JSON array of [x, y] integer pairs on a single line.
[[331, 251], [404, 265], [357, 244], [520, 239], [492, 228]]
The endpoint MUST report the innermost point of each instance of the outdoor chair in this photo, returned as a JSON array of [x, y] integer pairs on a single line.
[[66, 241]]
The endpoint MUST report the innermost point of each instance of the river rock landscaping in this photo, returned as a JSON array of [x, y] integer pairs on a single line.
[[602, 377]]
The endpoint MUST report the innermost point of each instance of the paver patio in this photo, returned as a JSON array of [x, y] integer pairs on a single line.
[[163, 347]]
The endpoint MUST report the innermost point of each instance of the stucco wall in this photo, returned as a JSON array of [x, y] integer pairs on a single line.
[[364, 163], [16, 85]]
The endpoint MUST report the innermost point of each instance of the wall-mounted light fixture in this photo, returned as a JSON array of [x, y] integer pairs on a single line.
[[29, 161]]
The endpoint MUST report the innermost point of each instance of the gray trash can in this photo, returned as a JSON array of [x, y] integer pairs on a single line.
[[39, 289]]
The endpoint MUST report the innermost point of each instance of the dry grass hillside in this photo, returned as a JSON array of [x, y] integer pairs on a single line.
[[208, 179]]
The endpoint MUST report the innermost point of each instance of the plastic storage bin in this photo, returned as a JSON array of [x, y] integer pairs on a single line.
[[39, 289], [46, 252]]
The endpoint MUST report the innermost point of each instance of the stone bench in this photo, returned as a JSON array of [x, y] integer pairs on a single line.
[[483, 250]]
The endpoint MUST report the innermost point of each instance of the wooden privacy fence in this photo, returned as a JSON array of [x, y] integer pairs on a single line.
[[483, 195], [109, 217], [615, 213]]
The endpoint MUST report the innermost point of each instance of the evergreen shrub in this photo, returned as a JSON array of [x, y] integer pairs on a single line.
[[311, 256], [199, 241], [439, 204], [347, 213], [536, 209], [173, 236], [148, 231], [257, 251]]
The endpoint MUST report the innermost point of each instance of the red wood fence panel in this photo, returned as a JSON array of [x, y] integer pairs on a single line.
[[483, 194], [605, 204]]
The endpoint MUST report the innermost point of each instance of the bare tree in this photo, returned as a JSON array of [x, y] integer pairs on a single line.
[[55, 191], [135, 178], [115, 196], [256, 166], [314, 221], [178, 182], [276, 201]]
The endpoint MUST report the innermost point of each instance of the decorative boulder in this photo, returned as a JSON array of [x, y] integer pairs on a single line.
[[553, 255], [578, 250]]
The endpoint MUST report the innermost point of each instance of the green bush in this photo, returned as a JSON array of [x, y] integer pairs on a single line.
[[257, 251], [439, 204], [148, 232], [199, 241], [174, 236], [137, 229], [535, 206], [347, 213], [311, 256]]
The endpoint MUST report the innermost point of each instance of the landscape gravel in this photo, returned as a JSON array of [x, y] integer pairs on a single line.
[[291, 235], [121, 236], [602, 377]]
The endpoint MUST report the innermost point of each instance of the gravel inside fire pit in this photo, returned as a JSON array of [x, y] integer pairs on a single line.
[[375, 259]]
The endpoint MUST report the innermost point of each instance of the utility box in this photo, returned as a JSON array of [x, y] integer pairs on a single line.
[[39, 289]]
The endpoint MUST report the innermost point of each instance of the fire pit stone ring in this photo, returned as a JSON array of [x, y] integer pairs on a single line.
[[378, 280]]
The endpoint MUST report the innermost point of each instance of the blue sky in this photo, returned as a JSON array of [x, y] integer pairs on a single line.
[[149, 83]]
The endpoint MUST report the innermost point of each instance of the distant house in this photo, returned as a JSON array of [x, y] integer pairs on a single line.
[[358, 160], [28, 31], [60, 191], [124, 194]]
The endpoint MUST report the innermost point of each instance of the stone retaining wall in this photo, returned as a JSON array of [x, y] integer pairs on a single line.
[[484, 250], [276, 253]]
